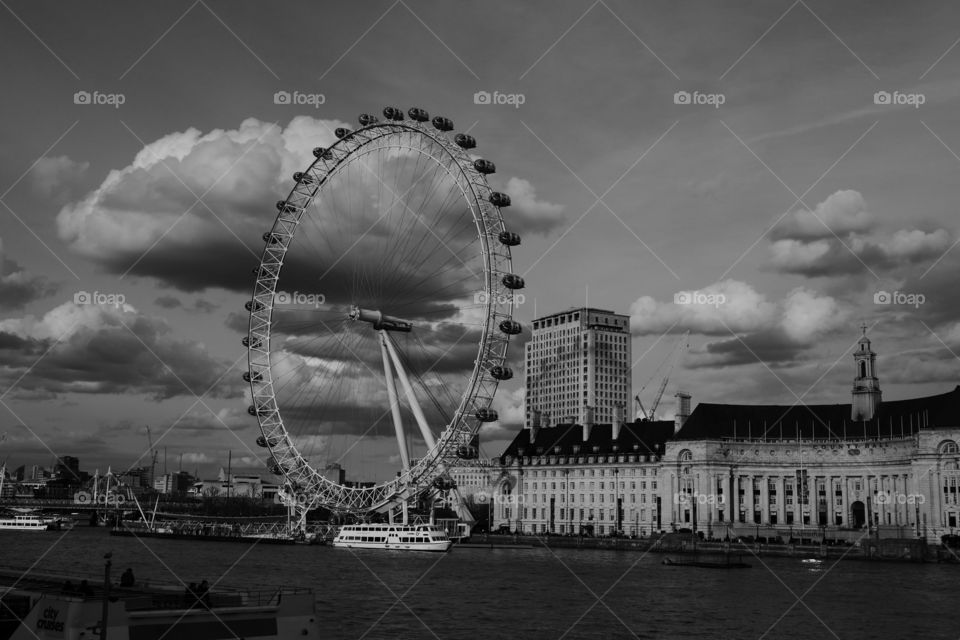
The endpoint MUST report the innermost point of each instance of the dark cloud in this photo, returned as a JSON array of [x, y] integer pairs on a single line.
[[168, 302], [768, 346], [105, 350], [18, 288]]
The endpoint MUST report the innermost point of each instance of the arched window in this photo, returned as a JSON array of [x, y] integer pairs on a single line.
[[947, 447], [685, 456], [863, 369]]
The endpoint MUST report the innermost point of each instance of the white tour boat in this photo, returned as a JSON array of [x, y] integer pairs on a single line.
[[28, 521], [402, 537]]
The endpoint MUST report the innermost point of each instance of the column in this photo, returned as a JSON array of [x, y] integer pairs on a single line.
[[730, 507], [845, 500], [781, 501], [764, 499]]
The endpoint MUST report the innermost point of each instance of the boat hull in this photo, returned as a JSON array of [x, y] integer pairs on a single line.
[[397, 546]]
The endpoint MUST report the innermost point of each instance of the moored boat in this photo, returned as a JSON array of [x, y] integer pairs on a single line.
[[45, 605], [708, 564], [398, 537], [26, 520]]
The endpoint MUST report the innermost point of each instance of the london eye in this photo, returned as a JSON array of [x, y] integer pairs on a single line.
[[381, 314]]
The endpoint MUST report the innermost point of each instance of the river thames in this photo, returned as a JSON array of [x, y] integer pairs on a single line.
[[536, 593]]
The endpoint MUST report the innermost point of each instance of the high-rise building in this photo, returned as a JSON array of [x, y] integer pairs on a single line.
[[67, 468], [577, 367]]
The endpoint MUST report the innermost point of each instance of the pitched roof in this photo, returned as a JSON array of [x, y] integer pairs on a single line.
[[820, 421], [643, 438]]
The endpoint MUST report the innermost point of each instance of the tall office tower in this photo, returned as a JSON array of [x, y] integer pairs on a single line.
[[577, 367]]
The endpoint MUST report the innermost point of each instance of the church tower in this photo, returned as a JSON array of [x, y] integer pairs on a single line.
[[866, 386]]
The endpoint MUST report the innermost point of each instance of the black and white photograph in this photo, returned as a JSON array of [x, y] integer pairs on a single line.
[[413, 319]]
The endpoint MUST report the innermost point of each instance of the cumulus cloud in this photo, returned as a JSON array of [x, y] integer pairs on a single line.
[[107, 349], [527, 213], [840, 237], [58, 177], [841, 213], [752, 326], [717, 309], [146, 217]]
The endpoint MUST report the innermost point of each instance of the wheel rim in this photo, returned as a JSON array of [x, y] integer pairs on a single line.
[[324, 189]]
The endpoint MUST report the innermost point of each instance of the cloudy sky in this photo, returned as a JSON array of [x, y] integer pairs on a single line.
[[780, 165]]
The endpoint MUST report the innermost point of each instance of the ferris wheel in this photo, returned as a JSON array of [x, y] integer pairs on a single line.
[[381, 314]]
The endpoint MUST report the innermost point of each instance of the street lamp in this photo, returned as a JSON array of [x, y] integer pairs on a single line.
[[106, 596]]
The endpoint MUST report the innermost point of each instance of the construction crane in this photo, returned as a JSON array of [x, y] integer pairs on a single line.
[[642, 414]]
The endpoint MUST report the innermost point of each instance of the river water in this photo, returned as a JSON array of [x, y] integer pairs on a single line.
[[537, 593]]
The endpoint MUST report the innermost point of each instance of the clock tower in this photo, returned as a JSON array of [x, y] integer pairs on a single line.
[[866, 385]]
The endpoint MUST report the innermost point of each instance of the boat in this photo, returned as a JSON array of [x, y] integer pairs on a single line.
[[707, 564], [49, 606], [30, 520], [400, 537]]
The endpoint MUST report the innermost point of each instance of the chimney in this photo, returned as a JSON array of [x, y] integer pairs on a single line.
[[587, 422], [534, 425], [683, 410], [617, 420]]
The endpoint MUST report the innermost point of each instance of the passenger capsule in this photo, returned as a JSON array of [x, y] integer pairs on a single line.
[[484, 166], [252, 410], [465, 141], [443, 124], [510, 327], [509, 238], [393, 113], [247, 342], [444, 484], [498, 199], [322, 152], [512, 281], [275, 469], [366, 119], [254, 377], [303, 178], [486, 415], [270, 237], [341, 132], [286, 207], [263, 442], [418, 114], [467, 453], [501, 373], [253, 305]]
